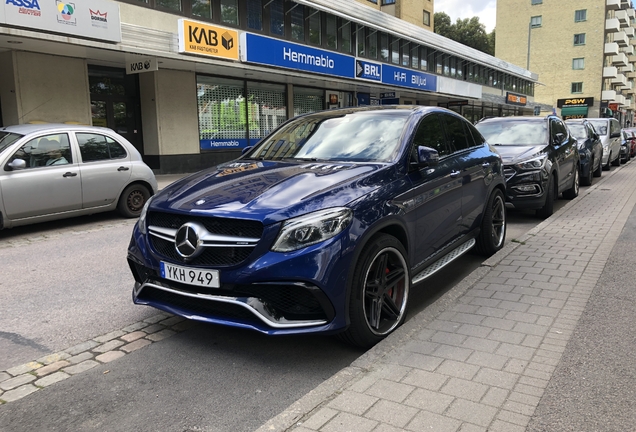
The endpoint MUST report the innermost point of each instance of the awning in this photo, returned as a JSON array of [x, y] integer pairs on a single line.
[[573, 112]]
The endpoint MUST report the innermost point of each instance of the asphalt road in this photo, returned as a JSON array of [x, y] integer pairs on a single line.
[[70, 283]]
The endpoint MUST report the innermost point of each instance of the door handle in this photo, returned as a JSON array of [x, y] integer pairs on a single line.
[[69, 174], [123, 168], [485, 165], [455, 174]]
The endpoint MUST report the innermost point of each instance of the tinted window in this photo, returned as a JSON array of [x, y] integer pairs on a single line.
[[558, 128], [456, 133], [600, 126], [430, 134], [477, 137], [578, 130], [615, 126], [514, 132], [8, 138], [96, 147], [45, 151]]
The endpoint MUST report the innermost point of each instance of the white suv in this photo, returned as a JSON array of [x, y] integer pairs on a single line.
[[609, 131]]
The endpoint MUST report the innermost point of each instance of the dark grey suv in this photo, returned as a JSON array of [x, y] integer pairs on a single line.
[[541, 160]]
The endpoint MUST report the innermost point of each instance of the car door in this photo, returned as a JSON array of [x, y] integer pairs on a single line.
[[433, 203], [614, 131], [49, 182], [106, 168], [474, 164], [565, 152]]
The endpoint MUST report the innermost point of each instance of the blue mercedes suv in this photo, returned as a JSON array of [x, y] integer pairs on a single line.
[[325, 225]]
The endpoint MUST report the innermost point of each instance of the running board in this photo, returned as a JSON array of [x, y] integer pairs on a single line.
[[443, 262]]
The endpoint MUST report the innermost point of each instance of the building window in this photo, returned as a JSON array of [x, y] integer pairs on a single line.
[[415, 61], [229, 12], [202, 8], [580, 15], [395, 50], [534, 2], [360, 37], [331, 30], [406, 54], [384, 47], [427, 18], [579, 39], [535, 21], [255, 15], [276, 18], [387, 2], [373, 44], [578, 63], [345, 37], [374, 1], [169, 4], [297, 22], [314, 27], [577, 87]]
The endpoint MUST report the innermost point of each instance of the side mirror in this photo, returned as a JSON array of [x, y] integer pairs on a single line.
[[246, 149], [615, 135], [426, 157], [16, 165]]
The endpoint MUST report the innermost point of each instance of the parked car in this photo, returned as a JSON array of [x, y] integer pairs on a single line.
[[609, 130], [324, 226], [590, 149], [632, 131], [628, 143], [541, 160], [55, 171]]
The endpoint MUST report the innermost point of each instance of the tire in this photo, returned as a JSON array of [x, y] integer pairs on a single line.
[[573, 192], [598, 171], [587, 180], [379, 292], [548, 208], [493, 225], [609, 163], [617, 161], [132, 200]]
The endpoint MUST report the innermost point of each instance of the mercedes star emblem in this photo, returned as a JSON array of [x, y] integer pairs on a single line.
[[187, 241]]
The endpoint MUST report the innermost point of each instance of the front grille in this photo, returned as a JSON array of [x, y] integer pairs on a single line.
[[290, 301], [211, 256]]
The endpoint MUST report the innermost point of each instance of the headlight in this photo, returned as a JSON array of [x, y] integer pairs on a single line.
[[533, 164], [141, 223], [312, 228]]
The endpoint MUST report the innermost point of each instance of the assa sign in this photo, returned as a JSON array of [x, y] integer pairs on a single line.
[[27, 7]]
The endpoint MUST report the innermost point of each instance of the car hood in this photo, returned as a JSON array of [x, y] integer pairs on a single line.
[[269, 191], [511, 154]]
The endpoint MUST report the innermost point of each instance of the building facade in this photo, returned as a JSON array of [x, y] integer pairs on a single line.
[[582, 50], [192, 82], [416, 12]]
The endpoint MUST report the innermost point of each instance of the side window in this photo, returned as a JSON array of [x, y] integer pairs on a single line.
[[477, 136], [558, 128], [456, 133], [45, 151], [430, 134], [614, 127], [96, 147]]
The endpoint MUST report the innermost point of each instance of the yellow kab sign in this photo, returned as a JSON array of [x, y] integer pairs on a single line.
[[203, 39]]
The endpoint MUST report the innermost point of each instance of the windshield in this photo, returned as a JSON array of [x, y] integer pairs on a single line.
[[514, 132], [364, 136], [578, 130], [8, 138], [600, 126]]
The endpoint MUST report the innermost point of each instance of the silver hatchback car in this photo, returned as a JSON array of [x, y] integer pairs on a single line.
[[55, 171]]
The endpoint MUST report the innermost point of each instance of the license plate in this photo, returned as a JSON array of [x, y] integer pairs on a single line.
[[190, 276]]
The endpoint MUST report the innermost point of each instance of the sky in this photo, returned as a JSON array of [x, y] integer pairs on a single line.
[[486, 10]]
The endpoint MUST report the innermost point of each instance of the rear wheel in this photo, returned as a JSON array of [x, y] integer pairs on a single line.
[[617, 161], [587, 180], [599, 170], [548, 208], [609, 162], [132, 200], [573, 192], [379, 292], [493, 225]]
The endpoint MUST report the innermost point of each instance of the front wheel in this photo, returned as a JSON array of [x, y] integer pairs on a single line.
[[617, 161], [609, 163], [379, 292], [548, 208], [587, 180], [599, 170], [573, 192], [132, 200], [493, 225]]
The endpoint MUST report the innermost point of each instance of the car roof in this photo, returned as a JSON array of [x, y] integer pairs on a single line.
[[516, 118], [26, 129]]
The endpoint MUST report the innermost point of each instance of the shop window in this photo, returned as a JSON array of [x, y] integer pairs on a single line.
[[297, 22], [276, 18], [395, 50], [384, 47], [229, 12], [202, 8], [331, 30], [315, 36], [307, 100], [255, 15], [266, 109], [372, 42], [345, 37]]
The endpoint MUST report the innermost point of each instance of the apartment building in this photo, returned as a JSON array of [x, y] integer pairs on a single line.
[[192, 82], [416, 12], [582, 51]]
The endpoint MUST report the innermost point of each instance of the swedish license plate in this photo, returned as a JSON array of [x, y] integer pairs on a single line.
[[190, 276]]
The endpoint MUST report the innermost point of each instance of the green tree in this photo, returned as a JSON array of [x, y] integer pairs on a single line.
[[468, 31]]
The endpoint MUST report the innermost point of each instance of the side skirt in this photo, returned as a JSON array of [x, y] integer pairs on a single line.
[[443, 262]]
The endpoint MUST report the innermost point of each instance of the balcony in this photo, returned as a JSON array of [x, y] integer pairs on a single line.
[[620, 60], [620, 80], [627, 69], [608, 95], [613, 4], [620, 99], [612, 25], [621, 39], [610, 72], [630, 32], [611, 48], [627, 87], [627, 104], [622, 17], [628, 50], [631, 13]]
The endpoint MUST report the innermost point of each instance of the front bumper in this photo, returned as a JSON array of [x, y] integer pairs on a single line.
[[525, 189]]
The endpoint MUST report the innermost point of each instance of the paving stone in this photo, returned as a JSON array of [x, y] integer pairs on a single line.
[[346, 421], [384, 428], [467, 427], [392, 413], [428, 400], [109, 336], [53, 367], [506, 336], [472, 412], [108, 346], [160, 335], [523, 353], [352, 402], [495, 397], [457, 369], [448, 338], [51, 379], [136, 326], [321, 417], [80, 357], [153, 328], [496, 378], [172, 321], [16, 382], [480, 344], [464, 389], [426, 421], [390, 390], [474, 330], [130, 337], [19, 393], [519, 408], [498, 323], [22, 369], [452, 352], [52, 358], [485, 359], [133, 346], [514, 418], [424, 379], [4, 376], [81, 367], [84, 346], [525, 399], [156, 318], [110, 356]]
